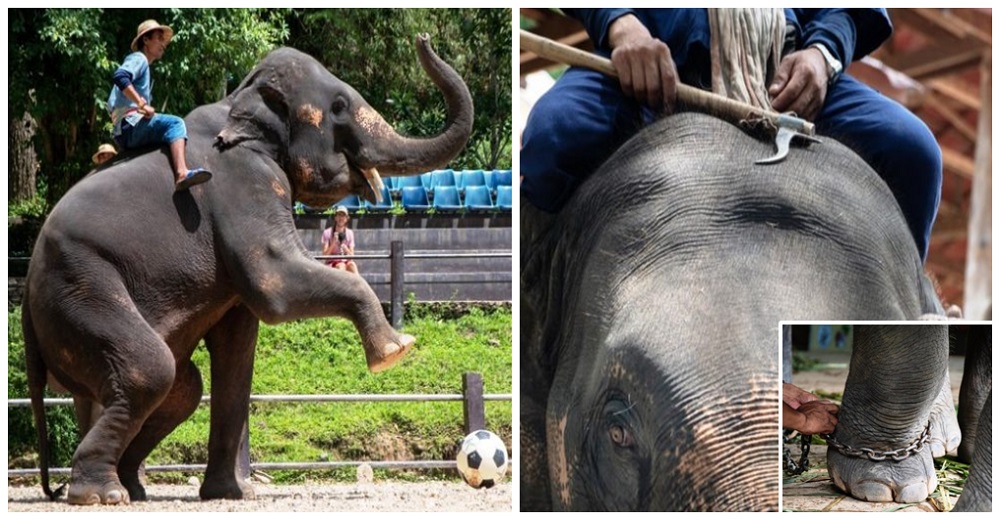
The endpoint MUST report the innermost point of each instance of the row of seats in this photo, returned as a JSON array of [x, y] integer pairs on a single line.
[[443, 190], [460, 179], [445, 198]]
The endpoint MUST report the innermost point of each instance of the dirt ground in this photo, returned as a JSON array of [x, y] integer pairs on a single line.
[[380, 496], [814, 490]]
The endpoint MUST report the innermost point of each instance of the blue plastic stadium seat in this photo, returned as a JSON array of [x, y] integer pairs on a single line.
[[351, 202], [477, 198], [491, 179], [472, 178], [415, 198], [504, 177], [411, 180], [446, 198], [442, 178], [427, 181], [381, 207], [505, 197]]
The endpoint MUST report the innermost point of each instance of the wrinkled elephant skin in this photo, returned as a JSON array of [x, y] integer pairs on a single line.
[[978, 492], [650, 308], [128, 276]]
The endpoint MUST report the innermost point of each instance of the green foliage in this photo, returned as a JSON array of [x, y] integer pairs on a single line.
[[373, 50], [62, 61], [325, 356], [35, 207], [22, 439]]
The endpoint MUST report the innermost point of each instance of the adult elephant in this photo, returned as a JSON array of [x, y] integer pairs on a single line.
[[127, 275], [650, 308]]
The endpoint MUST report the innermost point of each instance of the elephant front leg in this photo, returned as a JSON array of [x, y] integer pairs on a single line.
[[896, 374], [304, 288], [231, 344]]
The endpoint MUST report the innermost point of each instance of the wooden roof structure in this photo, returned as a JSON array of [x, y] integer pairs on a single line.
[[938, 64]]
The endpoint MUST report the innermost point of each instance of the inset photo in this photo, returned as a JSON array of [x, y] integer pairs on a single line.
[[887, 417]]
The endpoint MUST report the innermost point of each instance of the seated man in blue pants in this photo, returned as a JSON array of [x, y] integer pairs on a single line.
[[578, 123], [136, 123]]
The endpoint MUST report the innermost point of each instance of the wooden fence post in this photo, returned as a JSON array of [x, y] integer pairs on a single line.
[[396, 269], [472, 402]]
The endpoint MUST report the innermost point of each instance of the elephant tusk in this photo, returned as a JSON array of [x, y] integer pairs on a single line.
[[375, 181]]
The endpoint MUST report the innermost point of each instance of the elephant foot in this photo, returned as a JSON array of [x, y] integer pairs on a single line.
[[384, 357], [134, 487], [945, 434], [228, 489], [89, 493], [906, 481]]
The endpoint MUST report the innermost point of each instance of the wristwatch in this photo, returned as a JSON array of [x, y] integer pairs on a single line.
[[833, 65]]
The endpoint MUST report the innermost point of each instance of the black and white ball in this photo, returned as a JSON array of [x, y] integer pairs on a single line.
[[482, 459]]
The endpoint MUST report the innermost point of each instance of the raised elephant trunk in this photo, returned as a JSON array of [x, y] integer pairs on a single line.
[[381, 147]]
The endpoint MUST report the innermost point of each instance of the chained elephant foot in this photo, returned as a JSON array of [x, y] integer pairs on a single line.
[[946, 435], [906, 481]]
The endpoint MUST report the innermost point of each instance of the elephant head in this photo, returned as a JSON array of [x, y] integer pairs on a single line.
[[326, 137]]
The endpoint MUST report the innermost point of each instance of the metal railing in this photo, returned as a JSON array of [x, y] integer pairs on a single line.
[[474, 418]]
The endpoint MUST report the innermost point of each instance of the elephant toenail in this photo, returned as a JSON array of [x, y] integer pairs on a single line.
[[913, 493]]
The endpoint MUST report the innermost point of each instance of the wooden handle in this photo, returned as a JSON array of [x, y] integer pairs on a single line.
[[728, 109]]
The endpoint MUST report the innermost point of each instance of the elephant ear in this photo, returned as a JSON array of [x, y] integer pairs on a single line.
[[259, 112]]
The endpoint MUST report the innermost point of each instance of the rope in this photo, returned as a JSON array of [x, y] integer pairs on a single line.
[[746, 44]]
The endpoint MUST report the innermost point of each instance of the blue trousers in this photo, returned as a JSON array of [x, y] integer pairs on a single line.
[[159, 129], [585, 117]]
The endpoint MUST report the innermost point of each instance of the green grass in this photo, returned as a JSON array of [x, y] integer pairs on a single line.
[[324, 356]]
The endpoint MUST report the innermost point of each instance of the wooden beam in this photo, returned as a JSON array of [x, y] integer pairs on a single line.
[[957, 121], [979, 258], [955, 89], [957, 162], [929, 22], [939, 60]]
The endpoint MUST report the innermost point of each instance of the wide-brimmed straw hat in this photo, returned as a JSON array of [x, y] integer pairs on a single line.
[[151, 25], [104, 148]]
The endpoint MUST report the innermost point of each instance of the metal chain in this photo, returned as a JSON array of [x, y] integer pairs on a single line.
[[791, 467], [875, 455]]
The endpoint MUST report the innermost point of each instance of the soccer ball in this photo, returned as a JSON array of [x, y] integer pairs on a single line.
[[482, 459]]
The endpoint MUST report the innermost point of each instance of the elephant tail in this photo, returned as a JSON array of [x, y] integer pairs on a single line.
[[36, 373]]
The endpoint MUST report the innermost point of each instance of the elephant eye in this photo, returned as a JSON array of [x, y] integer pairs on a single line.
[[339, 105], [620, 436]]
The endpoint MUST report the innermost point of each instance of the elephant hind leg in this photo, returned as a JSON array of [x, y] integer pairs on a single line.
[[178, 405], [131, 370]]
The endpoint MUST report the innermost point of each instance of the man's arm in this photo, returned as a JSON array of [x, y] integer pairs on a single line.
[[597, 22], [646, 70]]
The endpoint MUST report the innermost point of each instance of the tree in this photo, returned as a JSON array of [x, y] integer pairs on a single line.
[[61, 62], [373, 50]]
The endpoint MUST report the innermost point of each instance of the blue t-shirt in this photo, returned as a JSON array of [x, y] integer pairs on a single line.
[[118, 103]]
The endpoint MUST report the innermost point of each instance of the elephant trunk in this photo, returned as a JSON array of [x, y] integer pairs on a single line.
[[382, 148]]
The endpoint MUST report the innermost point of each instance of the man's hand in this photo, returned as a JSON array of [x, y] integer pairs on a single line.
[[147, 111], [645, 67], [800, 84], [812, 417], [794, 396]]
